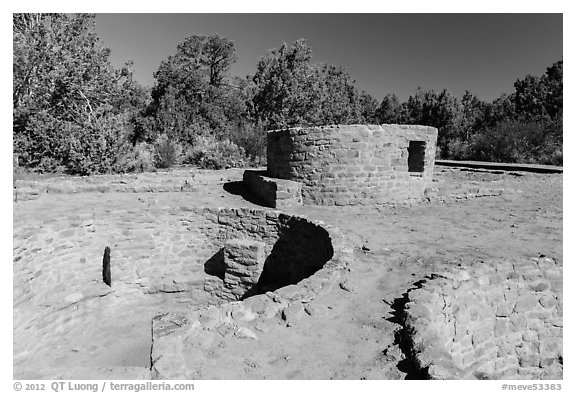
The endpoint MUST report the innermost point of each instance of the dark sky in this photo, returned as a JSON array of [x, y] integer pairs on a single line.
[[384, 53]]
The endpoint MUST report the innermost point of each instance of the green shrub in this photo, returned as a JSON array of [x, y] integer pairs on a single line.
[[99, 146], [96, 145], [40, 142], [209, 153], [458, 149], [139, 159], [251, 138], [520, 142], [167, 152]]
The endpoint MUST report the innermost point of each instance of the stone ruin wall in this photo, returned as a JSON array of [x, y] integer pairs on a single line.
[[309, 253], [259, 251], [497, 320], [276, 193], [159, 261], [354, 164], [287, 246]]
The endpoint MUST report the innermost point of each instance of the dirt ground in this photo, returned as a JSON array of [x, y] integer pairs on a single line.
[[352, 333]]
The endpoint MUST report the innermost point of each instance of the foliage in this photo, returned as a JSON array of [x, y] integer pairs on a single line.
[[99, 145], [167, 152], [74, 113], [71, 109], [290, 90], [339, 99], [140, 158], [525, 126], [519, 141], [539, 98], [50, 144], [390, 110], [251, 138], [193, 90], [440, 110], [368, 108], [209, 153]]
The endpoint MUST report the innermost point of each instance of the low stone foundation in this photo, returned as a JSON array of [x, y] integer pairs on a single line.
[[175, 181], [261, 251], [276, 193], [498, 320], [303, 259], [238, 266], [243, 264]]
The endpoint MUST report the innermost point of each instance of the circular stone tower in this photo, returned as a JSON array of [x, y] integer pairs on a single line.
[[354, 164]]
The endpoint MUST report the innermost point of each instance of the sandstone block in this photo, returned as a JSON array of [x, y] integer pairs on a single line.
[[547, 362], [482, 333], [526, 302], [244, 332], [293, 313], [529, 361], [505, 362], [552, 345], [548, 301]]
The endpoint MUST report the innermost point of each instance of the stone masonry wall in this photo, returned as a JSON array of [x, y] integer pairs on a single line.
[[498, 320], [175, 181], [353, 164], [308, 244], [276, 193], [243, 264], [180, 342]]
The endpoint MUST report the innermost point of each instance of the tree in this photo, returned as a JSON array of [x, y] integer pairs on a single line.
[[71, 108], [390, 110], [285, 85], [218, 55], [192, 93], [368, 108], [437, 110], [554, 82], [530, 97], [290, 90], [473, 110], [525, 126], [540, 97], [339, 101], [501, 109]]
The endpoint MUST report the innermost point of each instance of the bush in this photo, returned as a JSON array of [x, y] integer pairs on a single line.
[[95, 145], [40, 141], [99, 146], [167, 152], [519, 142], [251, 138], [458, 149], [140, 159], [209, 153]]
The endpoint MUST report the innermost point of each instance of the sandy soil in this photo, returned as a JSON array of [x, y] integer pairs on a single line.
[[351, 334]]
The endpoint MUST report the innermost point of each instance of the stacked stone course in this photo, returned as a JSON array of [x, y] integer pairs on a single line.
[[274, 193], [353, 164], [293, 247], [243, 264], [179, 341], [177, 181], [498, 320]]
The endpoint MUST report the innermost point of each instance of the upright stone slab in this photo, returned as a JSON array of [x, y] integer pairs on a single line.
[[106, 275], [276, 193], [243, 260]]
